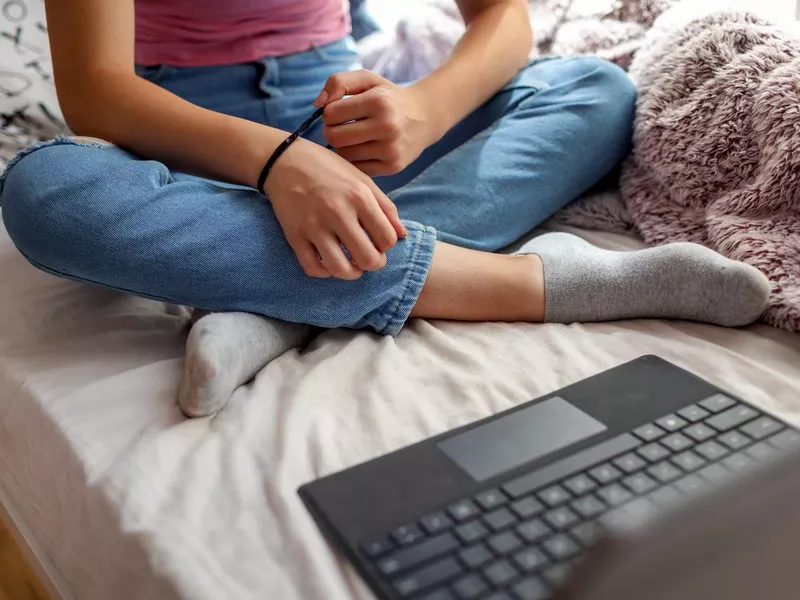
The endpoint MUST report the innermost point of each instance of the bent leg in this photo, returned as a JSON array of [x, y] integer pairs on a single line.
[[554, 131], [98, 215]]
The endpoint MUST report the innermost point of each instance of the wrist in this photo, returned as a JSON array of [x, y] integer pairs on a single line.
[[435, 115]]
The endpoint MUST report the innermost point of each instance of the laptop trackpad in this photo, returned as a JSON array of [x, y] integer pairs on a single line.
[[519, 437]]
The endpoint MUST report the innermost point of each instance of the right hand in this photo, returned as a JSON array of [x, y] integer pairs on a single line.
[[323, 202]]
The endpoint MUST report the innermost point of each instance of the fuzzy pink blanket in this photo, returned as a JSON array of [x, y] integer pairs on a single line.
[[716, 156]]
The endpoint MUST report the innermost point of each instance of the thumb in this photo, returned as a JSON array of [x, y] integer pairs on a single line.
[[347, 83]]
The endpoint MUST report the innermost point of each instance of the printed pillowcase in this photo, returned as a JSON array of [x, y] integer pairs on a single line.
[[28, 105]]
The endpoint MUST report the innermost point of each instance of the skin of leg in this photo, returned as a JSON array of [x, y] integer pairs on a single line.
[[509, 288]]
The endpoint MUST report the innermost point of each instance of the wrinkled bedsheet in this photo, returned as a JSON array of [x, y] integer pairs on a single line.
[[130, 500]]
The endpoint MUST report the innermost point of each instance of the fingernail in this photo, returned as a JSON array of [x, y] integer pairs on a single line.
[[321, 99]]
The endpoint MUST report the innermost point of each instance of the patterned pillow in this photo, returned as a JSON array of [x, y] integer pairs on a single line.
[[28, 106]]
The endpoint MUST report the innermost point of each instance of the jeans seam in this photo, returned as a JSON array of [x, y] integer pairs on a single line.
[[417, 272]]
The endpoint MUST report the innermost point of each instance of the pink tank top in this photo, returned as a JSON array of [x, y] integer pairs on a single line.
[[188, 33]]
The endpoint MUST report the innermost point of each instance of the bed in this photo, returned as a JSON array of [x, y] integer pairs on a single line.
[[119, 496], [113, 494]]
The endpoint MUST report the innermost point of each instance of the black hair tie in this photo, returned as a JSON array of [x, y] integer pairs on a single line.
[[262, 178]]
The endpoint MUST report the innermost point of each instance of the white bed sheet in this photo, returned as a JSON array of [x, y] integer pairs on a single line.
[[129, 500]]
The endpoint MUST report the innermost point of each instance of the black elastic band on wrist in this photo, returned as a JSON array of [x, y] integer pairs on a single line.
[[262, 178]]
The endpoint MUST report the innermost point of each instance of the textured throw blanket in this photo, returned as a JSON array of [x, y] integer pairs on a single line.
[[716, 155]]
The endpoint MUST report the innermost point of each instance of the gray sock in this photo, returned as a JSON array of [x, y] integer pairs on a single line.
[[226, 350], [584, 283]]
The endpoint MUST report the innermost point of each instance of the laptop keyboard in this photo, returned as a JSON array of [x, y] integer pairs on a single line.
[[518, 540]]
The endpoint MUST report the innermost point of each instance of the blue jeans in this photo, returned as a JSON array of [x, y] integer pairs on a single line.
[[95, 213]]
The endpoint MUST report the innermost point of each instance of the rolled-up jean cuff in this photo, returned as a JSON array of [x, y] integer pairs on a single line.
[[421, 240]]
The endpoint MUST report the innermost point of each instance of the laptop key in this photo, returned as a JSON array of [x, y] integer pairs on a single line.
[[693, 413], [405, 535], [761, 451], [587, 533], [377, 547], [688, 461], [442, 594], [677, 442], [761, 428], [557, 575], [738, 462], [717, 403], [560, 547], [405, 559], [469, 587], [561, 518], [500, 573], [734, 440], [714, 473], [630, 516], [491, 499], [504, 544], [629, 463], [691, 485], [554, 495], [672, 423], [526, 508], [499, 519], [435, 522], [475, 556], [614, 494], [711, 450], [530, 560], [666, 496], [531, 588], [786, 440], [639, 483], [699, 432], [471, 532], [664, 472], [733, 417], [463, 510], [427, 577], [499, 596], [653, 452], [605, 473], [588, 506], [580, 484], [532, 531], [649, 432]]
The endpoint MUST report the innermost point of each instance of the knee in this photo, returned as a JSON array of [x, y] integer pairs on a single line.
[[610, 89], [52, 200]]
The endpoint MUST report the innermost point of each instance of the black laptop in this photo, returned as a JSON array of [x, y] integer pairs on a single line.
[[507, 507]]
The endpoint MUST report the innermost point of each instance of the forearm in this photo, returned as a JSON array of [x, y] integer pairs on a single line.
[[155, 124], [493, 49]]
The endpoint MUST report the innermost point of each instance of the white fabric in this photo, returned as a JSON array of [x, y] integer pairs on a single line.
[[130, 500]]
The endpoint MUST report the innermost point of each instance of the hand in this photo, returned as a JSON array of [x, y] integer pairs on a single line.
[[322, 202], [381, 128]]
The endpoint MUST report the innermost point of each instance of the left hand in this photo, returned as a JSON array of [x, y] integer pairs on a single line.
[[381, 127]]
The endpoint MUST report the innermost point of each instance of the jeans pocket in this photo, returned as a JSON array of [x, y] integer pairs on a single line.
[[154, 73]]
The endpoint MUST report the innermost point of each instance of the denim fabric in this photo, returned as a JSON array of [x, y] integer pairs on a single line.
[[94, 213]]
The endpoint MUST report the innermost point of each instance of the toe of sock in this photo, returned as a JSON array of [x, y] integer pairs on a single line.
[[753, 290]]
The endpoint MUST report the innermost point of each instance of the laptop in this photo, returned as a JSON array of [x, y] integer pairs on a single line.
[[525, 504]]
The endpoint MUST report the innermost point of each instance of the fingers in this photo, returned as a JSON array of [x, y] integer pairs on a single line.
[[390, 210], [309, 259], [377, 151], [345, 84], [364, 252], [333, 258], [349, 109], [350, 134], [376, 168]]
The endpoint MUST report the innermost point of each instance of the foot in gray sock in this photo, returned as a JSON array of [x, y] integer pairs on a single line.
[[584, 283], [226, 350]]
